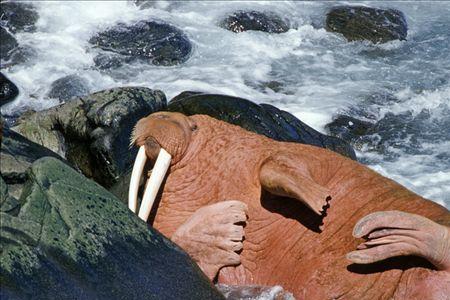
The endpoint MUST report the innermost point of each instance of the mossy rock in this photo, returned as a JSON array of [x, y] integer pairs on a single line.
[[72, 239]]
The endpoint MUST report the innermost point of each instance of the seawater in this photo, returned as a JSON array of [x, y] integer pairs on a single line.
[[319, 73]]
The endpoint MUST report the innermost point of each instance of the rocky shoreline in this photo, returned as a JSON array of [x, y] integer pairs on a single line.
[[65, 170]]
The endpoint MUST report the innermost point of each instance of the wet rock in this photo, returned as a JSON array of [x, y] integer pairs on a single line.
[[16, 155], [263, 119], [348, 128], [8, 204], [18, 16], [8, 90], [367, 23], [74, 240], [253, 20], [106, 61], [7, 45], [68, 87], [155, 42], [93, 132]]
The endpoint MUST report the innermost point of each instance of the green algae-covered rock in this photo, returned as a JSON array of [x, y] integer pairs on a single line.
[[263, 119], [72, 239], [93, 132]]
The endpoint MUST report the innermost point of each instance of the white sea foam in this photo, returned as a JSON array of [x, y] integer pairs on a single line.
[[321, 74]]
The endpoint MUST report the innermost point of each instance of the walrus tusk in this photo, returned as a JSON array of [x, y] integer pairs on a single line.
[[138, 167], [154, 182]]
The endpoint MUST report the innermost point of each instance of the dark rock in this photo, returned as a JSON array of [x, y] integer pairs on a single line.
[[7, 45], [18, 16], [253, 20], [8, 204], [367, 23], [348, 128], [72, 239], [93, 132], [158, 43], [16, 155], [263, 119], [105, 61], [68, 87], [8, 90]]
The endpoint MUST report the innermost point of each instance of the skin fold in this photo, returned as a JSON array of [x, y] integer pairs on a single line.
[[308, 219]]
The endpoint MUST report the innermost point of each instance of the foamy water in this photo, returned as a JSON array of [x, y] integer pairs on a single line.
[[320, 73]]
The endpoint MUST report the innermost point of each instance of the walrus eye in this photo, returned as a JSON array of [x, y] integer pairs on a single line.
[[194, 128]]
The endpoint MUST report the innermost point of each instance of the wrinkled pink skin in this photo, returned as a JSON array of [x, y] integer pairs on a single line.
[[214, 161]]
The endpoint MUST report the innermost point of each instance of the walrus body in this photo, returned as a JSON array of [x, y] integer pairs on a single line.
[[285, 242]]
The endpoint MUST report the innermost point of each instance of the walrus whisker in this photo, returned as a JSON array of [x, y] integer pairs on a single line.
[[154, 183], [136, 174]]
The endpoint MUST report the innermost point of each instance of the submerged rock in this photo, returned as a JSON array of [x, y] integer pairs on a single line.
[[155, 42], [72, 239], [348, 128], [8, 90], [93, 132], [367, 23], [68, 87], [7, 45], [263, 119], [253, 20], [18, 16]]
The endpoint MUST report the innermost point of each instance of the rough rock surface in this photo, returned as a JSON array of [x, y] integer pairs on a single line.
[[367, 23], [68, 87], [93, 132], [253, 20], [72, 239], [18, 16], [16, 156], [155, 42], [8, 90]]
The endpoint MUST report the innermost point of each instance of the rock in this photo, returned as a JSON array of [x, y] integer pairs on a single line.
[[18, 16], [105, 61], [263, 119], [16, 155], [7, 46], [72, 239], [93, 132], [155, 42], [253, 20], [348, 128], [8, 204], [367, 23], [8, 90], [68, 87]]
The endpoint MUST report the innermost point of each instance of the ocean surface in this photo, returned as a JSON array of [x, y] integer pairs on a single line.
[[318, 74]]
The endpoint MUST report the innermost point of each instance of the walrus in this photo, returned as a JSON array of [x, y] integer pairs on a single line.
[[319, 224]]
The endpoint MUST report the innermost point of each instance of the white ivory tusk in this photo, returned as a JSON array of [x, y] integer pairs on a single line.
[[136, 174], [154, 182]]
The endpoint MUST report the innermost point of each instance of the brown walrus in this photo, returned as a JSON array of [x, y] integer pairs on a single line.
[[302, 204]]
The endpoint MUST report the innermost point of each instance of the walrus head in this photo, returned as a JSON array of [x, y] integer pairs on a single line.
[[163, 137]]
